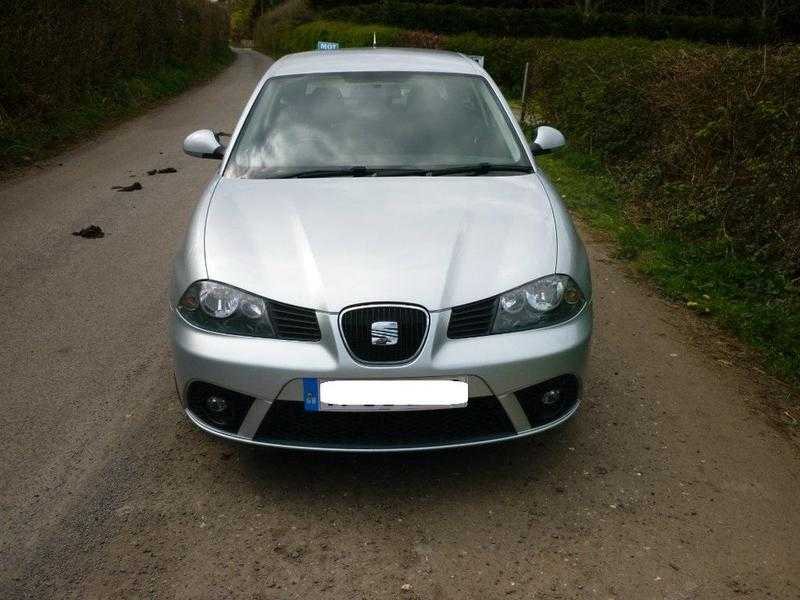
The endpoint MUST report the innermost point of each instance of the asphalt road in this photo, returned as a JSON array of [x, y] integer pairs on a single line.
[[676, 480]]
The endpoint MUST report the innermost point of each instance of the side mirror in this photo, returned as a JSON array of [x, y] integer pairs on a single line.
[[547, 140], [204, 144]]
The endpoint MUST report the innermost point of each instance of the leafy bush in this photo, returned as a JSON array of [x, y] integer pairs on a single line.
[[541, 22], [57, 55], [708, 139], [775, 9], [279, 24], [242, 19]]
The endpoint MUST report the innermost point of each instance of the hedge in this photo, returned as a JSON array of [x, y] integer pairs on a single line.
[[542, 22], [57, 54], [706, 138], [782, 16], [693, 8]]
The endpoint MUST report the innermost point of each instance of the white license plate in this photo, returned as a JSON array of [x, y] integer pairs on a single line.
[[383, 394]]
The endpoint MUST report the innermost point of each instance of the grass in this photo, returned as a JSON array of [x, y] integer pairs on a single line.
[[27, 139], [758, 305]]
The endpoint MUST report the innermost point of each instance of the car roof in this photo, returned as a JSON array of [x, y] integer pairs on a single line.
[[374, 59]]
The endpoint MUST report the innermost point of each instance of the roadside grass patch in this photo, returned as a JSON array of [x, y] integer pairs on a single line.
[[745, 296]]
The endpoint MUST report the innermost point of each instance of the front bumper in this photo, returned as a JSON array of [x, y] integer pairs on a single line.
[[501, 371]]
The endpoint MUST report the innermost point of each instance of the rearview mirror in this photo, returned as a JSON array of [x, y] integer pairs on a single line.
[[547, 140], [204, 144]]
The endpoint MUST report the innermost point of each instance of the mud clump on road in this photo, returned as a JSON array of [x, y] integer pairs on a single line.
[[162, 171], [128, 188], [91, 232]]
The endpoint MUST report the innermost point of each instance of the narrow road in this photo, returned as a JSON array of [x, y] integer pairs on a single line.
[[672, 482]]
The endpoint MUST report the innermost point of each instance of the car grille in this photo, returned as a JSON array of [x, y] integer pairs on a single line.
[[412, 327], [472, 320], [294, 323], [288, 422]]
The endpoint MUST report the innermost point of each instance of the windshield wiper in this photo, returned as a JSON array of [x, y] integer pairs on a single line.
[[480, 169], [355, 171], [363, 171]]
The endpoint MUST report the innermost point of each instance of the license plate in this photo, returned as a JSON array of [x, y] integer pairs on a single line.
[[384, 395]]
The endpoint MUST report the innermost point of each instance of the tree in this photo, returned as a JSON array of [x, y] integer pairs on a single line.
[[655, 7], [772, 9], [588, 7]]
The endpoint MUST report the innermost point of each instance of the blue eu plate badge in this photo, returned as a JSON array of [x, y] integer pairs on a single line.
[[311, 393]]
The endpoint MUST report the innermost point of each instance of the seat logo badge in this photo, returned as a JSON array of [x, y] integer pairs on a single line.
[[384, 333]]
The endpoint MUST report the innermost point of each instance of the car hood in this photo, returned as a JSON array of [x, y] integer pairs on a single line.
[[330, 243]]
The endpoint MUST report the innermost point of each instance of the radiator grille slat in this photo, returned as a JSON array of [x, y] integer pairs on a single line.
[[472, 320], [294, 323]]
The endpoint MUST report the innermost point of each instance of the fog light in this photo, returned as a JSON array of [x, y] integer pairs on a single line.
[[551, 397], [216, 405]]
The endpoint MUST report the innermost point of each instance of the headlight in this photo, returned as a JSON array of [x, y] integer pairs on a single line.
[[224, 309], [541, 303]]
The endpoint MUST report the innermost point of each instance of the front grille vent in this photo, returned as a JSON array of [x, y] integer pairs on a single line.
[[288, 423], [294, 323], [472, 320], [357, 330]]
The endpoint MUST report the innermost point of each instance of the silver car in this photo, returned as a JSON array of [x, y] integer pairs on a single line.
[[379, 264]]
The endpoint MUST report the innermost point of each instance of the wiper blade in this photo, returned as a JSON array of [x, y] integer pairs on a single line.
[[480, 169], [355, 171], [363, 171]]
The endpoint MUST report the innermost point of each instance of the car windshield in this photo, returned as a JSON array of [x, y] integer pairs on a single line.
[[376, 124]]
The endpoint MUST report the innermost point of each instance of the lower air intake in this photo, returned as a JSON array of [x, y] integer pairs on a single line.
[[287, 422]]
